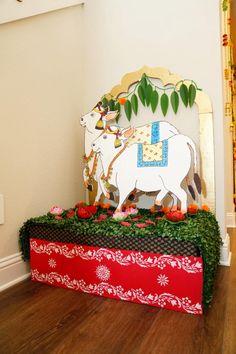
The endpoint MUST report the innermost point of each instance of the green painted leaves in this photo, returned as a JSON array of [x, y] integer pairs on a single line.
[[164, 103], [134, 103], [117, 108], [150, 95], [191, 94], [128, 109], [174, 99], [184, 94], [154, 100], [141, 94]]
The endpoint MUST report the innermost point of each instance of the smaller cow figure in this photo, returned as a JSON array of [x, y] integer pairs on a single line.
[[121, 168], [97, 120]]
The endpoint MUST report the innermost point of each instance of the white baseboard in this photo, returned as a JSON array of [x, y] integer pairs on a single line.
[[230, 219], [225, 254], [13, 270]]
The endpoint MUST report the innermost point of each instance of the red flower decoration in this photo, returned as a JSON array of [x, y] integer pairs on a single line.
[[91, 209], [70, 214], [150, 222], [141, 225], [136, 218], [57, 217], [175, 216], [125, 223], [97, 220], [102, 217], [83, 213], [109, 212]]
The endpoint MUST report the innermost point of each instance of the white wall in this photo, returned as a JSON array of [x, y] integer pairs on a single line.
[[183, 36], [41, 142]]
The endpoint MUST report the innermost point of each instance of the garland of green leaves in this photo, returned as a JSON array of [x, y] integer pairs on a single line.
[[150, 95], [201, 229]]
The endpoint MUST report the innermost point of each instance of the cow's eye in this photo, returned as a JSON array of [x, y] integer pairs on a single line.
[[92, 114], [104, 136]]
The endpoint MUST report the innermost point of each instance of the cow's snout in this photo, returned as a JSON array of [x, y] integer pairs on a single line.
[[82, 121]]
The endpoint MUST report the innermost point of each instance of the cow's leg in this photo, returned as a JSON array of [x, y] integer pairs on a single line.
[[160, 196], [124, 192], [182, 196], [100, 190], [175, 202]]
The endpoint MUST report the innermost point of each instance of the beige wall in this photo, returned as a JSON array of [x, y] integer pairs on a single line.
[[41, 142]]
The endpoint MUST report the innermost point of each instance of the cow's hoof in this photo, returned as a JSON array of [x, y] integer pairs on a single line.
[[90, 187], [107, 195], [96, 203], [157, 207], [183, 211], [174, 208]]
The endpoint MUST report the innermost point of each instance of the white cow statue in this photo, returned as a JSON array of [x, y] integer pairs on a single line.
[[120, 166], [95, 121]]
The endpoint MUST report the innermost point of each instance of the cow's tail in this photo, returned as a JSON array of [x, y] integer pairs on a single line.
[[196, 178]]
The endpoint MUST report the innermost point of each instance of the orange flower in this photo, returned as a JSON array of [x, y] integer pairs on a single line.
[[132, 205], [105, 205], [205, 207], [165, 210], [80, 204], [153, 209], [122, 100], [192, 208]]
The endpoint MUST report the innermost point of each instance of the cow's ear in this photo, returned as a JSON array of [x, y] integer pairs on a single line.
[[110, 115], [127, 132]]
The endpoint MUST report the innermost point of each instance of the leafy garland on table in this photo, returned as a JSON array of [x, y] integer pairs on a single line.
[[150, 95], [199, 227]]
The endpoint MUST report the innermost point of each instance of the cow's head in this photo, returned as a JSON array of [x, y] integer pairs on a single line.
[[111, 138], [96, 118]]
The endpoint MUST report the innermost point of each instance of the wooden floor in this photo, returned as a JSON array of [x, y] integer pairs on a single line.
[[36, 318]]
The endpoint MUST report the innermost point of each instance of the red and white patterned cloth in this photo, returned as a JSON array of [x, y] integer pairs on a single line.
[[166, 281]]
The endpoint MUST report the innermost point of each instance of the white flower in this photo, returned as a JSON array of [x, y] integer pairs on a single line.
[[103, 273], [56, 210], [119, 215], [52, 263], [162, 279], [131, 211]]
